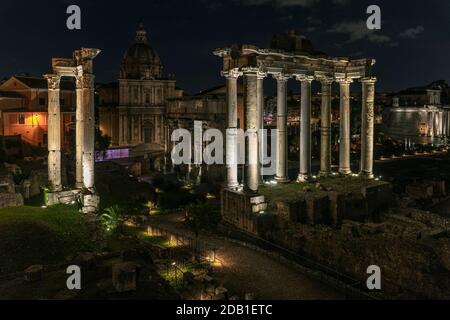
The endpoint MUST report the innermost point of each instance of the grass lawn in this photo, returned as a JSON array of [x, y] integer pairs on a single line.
[[292, 190], [34, 235]]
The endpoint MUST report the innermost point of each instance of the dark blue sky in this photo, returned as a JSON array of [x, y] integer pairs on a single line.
[[412, 48]]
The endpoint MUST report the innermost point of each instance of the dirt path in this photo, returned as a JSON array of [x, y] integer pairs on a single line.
[[247, 270]]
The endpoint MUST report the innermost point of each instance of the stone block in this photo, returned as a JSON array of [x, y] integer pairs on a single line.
[[257, 200], [221, 291], [291, 211], [90, 203], [377, 197], [337, 207], [8, 200], [34, 273], [124, 276], [259, 207], [419, 191], [7, 184], [355, 208], [317, 208], [62, 197]]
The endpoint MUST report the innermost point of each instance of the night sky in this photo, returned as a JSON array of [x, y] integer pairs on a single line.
[[412, 48]]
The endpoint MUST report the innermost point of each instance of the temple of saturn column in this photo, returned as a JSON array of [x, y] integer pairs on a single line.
[[254, 64], [79, 67]]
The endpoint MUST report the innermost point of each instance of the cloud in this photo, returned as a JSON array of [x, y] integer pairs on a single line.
[[357, 30], [413, 33], [281, 3]]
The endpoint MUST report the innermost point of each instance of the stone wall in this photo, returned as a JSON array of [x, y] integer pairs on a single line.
[[242, 210], [10, 200], [412, 251], [8, 195]]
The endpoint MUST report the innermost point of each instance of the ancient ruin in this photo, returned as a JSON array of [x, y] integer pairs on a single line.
[[254, 64], [80, 67]]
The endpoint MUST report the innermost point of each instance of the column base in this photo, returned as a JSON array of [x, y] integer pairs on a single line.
[[366, 175], [79, 185], [249, 191], [282, 179], [90, 203], [233, 187], [345, 172], [303, 177], [324, 173]]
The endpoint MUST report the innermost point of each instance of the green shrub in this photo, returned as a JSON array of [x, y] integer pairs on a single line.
[[111, 218]]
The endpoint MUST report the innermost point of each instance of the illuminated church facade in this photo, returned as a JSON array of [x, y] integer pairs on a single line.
[[132, 110]]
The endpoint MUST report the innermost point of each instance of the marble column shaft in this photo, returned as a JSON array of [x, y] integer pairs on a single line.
[[344, 132], [282, 142], [89, 132], [260, 123], [367, 126], [54, 133], [251, 126], [325, 128], [79, 139], [305, 130], [232, 126]]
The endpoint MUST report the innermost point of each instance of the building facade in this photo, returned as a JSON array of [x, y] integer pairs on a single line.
[[132, 110], [23, 106], [419, 112]]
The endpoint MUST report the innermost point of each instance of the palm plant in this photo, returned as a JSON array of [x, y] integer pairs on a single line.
[[111, 218]]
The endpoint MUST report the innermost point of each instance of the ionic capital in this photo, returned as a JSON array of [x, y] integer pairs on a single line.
[[304, 78], [281, 77], [250, 71], [231, 74], [325, 81], [368, 80], [344, 81], [261, 75], [53, 81]]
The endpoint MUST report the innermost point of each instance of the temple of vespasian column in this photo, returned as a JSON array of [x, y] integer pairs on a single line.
[[79, 67], [254, 64]]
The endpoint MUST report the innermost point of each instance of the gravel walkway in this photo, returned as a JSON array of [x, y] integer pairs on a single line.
[[246, 270]]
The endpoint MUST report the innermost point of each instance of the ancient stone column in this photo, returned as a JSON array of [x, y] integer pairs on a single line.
[[54, 133], [251, 129], [89, 132], [232, 126], [260, 123], [305, 130], [344, 131], [325, 128], [79, 138], [84, 59], [368, 99], [282, 143]]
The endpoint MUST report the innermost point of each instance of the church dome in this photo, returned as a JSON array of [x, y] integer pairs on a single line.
[[140, 60]]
